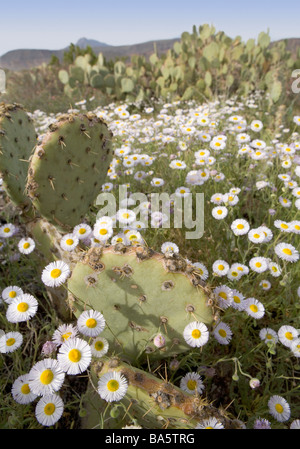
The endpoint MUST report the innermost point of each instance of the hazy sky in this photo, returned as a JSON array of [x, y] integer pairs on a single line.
[[55, 24]]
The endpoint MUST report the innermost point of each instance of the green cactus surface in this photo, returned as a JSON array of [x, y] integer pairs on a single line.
[[17, 140], [68, 167], [140, 295], [152, 402]]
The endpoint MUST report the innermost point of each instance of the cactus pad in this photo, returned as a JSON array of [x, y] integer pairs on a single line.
[[68, 168], [153, 402], [141, 294], [17, 140]]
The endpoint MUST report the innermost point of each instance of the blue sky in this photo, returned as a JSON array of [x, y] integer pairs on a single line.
[[55, 24]]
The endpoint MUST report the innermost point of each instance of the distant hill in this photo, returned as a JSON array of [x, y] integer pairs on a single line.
[[83, 43], [26, 59]]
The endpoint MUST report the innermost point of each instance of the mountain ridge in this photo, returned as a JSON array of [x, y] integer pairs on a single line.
[[29, 58]]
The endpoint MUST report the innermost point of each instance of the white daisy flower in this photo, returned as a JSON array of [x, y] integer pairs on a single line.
[[237, 300], [220, 267], [295, 347], [196, 334], [55, 273], [296, 423], [274, 269], [279, 408], [99, 346], [210, 423], [222, 333], [22, 308], [202, 270], [49, 409], [287, 334], [102, 231], [224, 296], [254, 308], [46, 377], [74, 356], [192, 383], [169, 248], [7, 230], [240, 226], [26, 245], [63, 333], [265, 284], [11, 292], [91, 323], [258, 264], [112, 386], [256, 235], [256, 125], [157, 182], [219, 212], [217, 198], [21, 391], [10, 341], [69, 242], [286, 252], [233, 274], [268, 335], [126, 216], [177, 164]]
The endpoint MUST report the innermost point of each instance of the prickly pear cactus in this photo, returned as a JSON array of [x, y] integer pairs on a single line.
[[153, 402], [17, 140], [141, 294], [68, 167]]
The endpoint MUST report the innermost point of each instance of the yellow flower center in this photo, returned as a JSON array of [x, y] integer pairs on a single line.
[[91, 323], [191, 384], [221, 267], [283, 225], [46, 377], [26, 245], [240, 226], [287, 251], [25, 389], [82, 231], [253, 308], [222, 333], [196, 333], [289, 335], [74, 355], [112, 385], [258, 264], [66, 336], [12, 294], [22, 306], [55, 273], [10, 341], [278, 408], [256, 236], [49, 409], [219, 212], [69, 241], [103, 231], [223, 295], [99, 345], [6, 230], [236, 299]]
